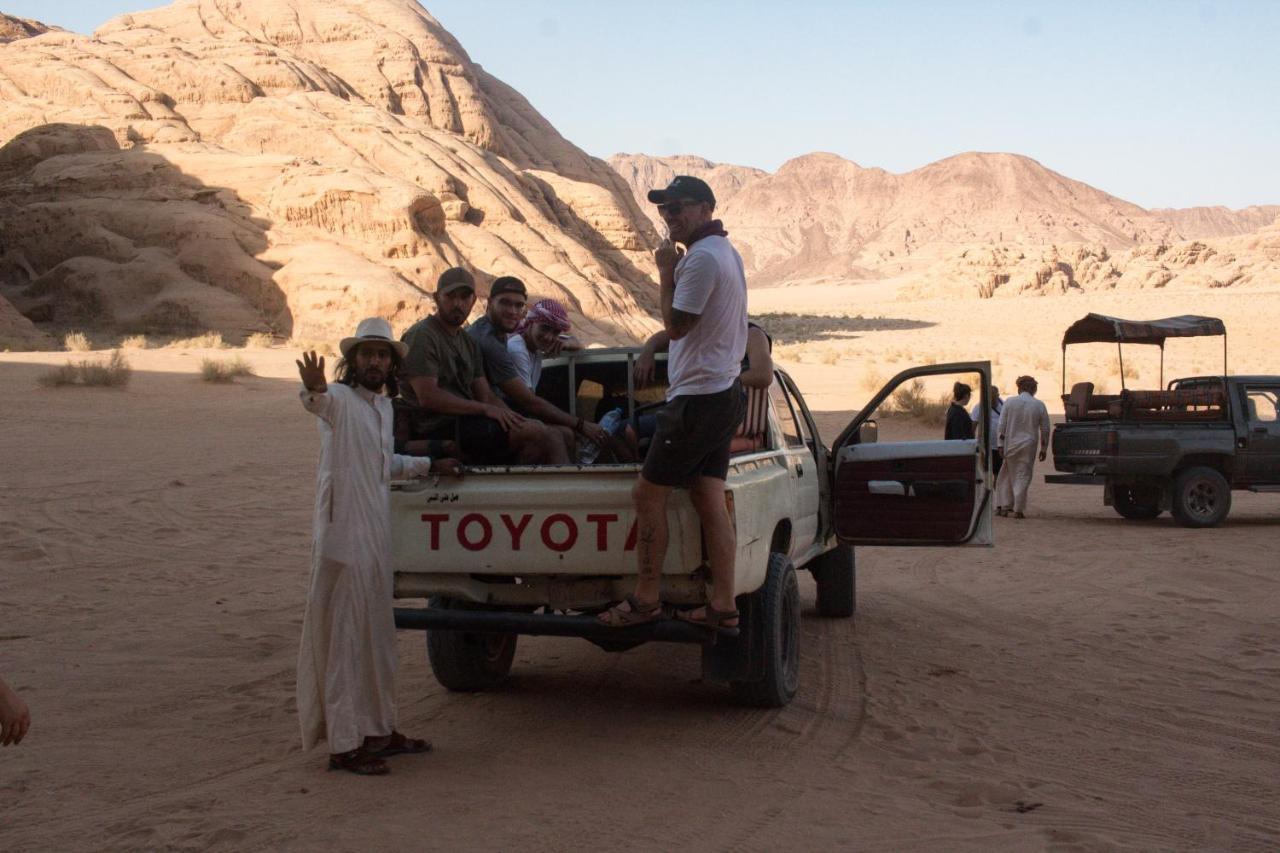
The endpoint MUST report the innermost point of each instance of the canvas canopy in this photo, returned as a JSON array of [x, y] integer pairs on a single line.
[[1099, 328]]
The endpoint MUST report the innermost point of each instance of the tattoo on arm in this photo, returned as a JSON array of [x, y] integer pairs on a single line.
[[681, 322]]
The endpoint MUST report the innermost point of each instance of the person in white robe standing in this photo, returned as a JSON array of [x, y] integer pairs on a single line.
[[1024, 427], [347, 663]]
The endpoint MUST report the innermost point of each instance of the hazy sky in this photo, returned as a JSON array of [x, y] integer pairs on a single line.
[[1166, 104]]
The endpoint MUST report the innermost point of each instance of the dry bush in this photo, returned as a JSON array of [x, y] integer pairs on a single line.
[[134, 342], [224, 371], [77, 342], [320, 347], [112, 373], [209, 340], [871, 381], [912, 402], [259, 340]]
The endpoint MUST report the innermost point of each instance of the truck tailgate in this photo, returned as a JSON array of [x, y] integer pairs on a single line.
[[563, 520]]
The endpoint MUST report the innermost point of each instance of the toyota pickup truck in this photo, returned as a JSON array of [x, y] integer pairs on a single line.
[[538, 550], [1181, 448]]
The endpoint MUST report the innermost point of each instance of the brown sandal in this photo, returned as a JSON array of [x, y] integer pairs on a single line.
[[714, 619], [396, 744], [639, 614], [360, 762]]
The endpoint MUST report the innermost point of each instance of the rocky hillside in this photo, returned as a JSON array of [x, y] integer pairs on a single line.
[[973, 223], [643, 173], [292, 166]]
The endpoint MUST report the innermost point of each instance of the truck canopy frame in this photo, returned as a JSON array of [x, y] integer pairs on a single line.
[[1099, 328]]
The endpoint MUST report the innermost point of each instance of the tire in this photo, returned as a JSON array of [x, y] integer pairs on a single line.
[[1201, 497], [837, 579], [468, 661], [1137, 502], [775, 629]]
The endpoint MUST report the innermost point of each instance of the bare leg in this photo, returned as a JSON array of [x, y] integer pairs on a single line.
[[722, 541], [650, 501], [533, 444]]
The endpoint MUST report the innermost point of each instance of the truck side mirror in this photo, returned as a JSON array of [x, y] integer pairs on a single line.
[[868, 432]]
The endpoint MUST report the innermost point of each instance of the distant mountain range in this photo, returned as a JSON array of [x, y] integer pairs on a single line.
[[821, 217]]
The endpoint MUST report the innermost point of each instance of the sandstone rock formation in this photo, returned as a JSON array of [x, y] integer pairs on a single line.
[[643, 173], [293, 165], [12, 28], [979, 224]]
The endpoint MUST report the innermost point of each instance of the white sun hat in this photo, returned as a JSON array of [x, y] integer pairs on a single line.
[[373, 329]]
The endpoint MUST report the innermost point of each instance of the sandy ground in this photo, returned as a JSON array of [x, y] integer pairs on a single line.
[[1087, 684]]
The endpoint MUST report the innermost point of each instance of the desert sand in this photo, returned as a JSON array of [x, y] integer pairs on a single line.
[[1086, 684]]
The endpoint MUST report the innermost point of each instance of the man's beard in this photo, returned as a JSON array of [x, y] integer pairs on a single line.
[[375, 385]]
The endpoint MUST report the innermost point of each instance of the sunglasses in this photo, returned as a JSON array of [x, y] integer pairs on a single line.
[[673, 208]]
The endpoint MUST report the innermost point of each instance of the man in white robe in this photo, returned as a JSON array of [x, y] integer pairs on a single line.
[[347, 663], [1024, 427]]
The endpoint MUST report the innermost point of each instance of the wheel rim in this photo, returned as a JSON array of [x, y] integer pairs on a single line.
[[1202, 499]]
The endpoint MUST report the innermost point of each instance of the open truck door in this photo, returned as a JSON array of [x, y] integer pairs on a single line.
[[930, 492]]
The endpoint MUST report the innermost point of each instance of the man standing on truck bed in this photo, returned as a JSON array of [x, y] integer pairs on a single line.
[[347, 662], [444, 375], [703, 293], [1024, 421]]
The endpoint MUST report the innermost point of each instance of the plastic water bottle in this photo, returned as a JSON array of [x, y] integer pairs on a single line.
[[589, 450]]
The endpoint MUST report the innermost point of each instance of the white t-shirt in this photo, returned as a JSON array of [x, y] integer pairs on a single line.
[[528, 365], [710, 282], [993, 424]]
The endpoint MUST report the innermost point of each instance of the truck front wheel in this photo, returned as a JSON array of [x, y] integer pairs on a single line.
[[1201, 497], [836, 577], [773, 627], [1137, 502], [469, 661]]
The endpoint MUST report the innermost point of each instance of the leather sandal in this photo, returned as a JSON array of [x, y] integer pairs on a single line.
[[360, 762], [641, 613], [712, 618], [395, 744]]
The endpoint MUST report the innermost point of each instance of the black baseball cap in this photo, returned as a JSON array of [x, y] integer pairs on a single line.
[[684, 186], [454, 278], [507, 284]]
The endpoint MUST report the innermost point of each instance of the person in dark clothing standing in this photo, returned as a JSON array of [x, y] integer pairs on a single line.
[[958, 424]]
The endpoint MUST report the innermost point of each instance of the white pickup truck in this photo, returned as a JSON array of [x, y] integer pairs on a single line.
[[516, 550]]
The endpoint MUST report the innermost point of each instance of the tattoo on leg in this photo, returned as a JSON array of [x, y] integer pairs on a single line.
[[650, 563]]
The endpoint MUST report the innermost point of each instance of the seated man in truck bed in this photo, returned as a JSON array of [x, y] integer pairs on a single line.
[[444, 375], [501, 323]]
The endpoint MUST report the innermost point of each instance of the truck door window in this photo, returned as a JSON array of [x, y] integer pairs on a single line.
[[1261, 406], [806, 435], [786, 418]]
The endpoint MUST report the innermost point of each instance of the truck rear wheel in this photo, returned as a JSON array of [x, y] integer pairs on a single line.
[[1201, 497], [1137, 502], [469, 661], [774, 627], [837, 580]]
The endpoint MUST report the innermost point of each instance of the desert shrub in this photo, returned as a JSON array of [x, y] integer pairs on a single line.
[[114, 372], [259, 340], [77, 342], [911, 401], [134, 342], [320, 347], [871, 381], [209, 340], [224, 371]]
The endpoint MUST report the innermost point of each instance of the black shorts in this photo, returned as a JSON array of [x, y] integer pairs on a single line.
[[693, 437], [483, 441]]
